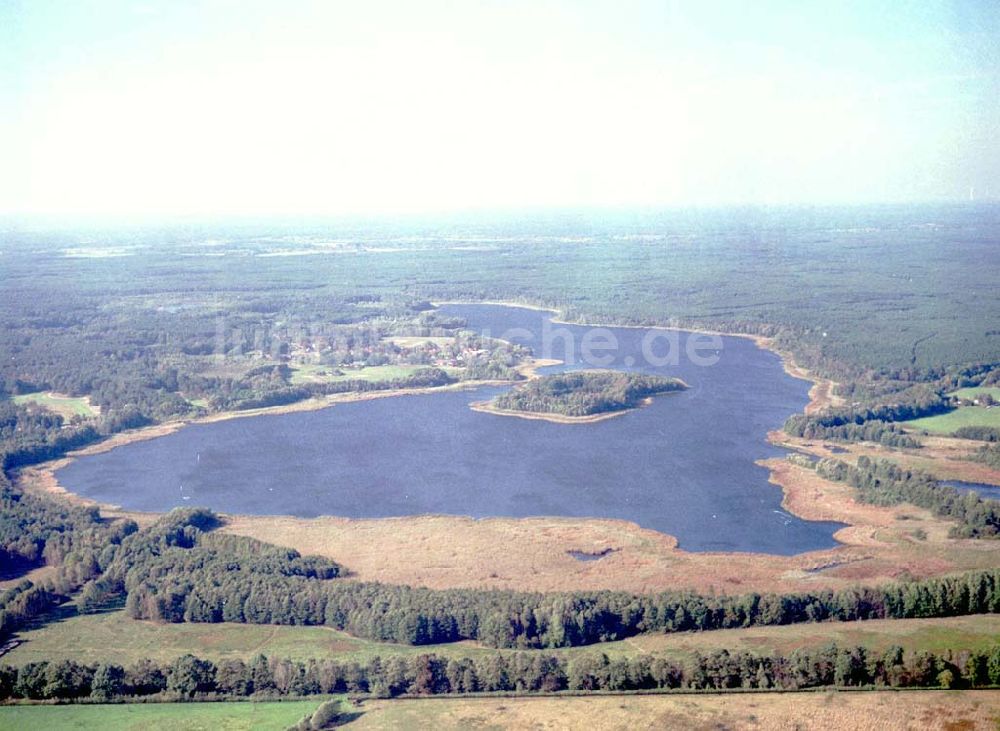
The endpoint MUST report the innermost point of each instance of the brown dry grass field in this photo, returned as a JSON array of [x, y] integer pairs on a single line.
[[844, 711], [531, 554]]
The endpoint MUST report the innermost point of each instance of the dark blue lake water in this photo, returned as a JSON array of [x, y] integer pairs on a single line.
[[683, 466]]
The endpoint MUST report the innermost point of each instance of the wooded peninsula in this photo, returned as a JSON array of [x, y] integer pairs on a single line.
[[583, 394]]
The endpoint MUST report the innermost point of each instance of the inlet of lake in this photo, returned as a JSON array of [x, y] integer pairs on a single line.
[[685, 465]]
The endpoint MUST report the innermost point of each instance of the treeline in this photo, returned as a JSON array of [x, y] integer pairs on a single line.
[[871, 423], [35, 530], [176, 572], [981, 433], [988, 454], [180, 551], [970, 376], [882, 482], [879, 432], [189, 677], [583, 393]]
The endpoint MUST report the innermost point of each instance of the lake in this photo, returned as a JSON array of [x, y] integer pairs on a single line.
[[683, 465]]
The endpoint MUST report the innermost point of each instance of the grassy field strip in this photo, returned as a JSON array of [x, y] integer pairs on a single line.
[[310, 373], [158, 716], [962, 416], [845, 711], [113, 637], [65, 406], [976, 392], [414, 341]]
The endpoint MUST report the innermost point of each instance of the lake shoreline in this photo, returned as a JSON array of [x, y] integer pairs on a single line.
[[43, 478], [487, 407], [528, 369], [821, 394], [44, 474]]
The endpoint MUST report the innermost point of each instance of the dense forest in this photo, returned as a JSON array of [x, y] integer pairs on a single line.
[[584, 393], [189, 677], [36, 530]]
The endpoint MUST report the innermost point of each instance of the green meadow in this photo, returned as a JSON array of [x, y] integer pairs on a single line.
[[962, 416], [158, 716], [67, 406]]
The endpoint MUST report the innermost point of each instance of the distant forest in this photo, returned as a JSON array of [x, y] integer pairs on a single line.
[[584, 393]]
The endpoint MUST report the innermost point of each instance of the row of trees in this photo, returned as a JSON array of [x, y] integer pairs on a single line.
[[883, 482], [871, 421], [190, 677], [879, 432], [981, 433]]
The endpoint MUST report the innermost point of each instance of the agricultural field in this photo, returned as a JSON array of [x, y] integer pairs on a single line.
[[158, 716], [962, 416], [965, 710], [114, 637], [65, 406], [315, 373], [845, 711]]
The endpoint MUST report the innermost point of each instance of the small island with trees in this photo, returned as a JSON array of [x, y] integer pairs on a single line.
[[581, 396]]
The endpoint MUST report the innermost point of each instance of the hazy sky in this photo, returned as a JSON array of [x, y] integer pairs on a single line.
[[332, 107]]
